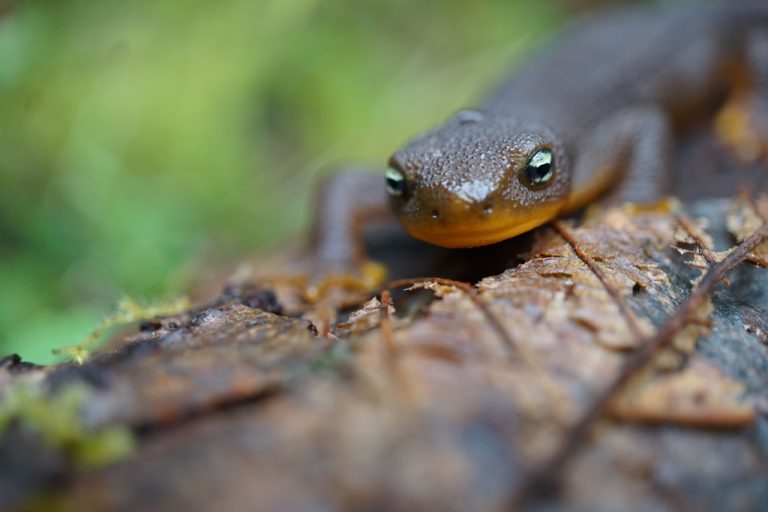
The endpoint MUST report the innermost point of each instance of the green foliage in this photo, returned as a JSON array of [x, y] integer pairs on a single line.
[[139, 139], [56, 419]]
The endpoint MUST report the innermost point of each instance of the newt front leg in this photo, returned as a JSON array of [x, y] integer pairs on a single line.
[[347, 201], [632, 147]]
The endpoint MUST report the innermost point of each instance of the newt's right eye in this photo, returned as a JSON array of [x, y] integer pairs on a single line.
[[395, 181]]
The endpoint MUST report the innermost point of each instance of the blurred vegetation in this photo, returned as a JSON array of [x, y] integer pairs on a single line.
[[143, 141], [57, 419]]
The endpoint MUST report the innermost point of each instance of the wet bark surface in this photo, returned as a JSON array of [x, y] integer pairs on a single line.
[[532, 389]]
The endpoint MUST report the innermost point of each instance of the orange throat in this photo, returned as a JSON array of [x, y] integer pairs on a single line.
[[496, 228]]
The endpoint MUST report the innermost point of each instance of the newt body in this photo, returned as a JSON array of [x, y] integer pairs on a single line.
[[599, 106]]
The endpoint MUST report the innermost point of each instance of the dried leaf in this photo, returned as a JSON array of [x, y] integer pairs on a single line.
[[700, 395], [744, 218]]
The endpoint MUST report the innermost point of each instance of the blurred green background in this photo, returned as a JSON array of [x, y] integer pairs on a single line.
[[143, 141]]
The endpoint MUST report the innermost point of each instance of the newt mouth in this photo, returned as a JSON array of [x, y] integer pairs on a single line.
[[499, 227]]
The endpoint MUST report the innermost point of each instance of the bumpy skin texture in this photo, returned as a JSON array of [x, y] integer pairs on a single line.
[[462, 179], [606, 97]]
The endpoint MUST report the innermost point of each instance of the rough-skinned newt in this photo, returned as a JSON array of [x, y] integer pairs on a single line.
[[595, 110]]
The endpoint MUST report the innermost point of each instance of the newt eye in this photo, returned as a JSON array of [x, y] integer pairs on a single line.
[[539, 170], [395, 181]]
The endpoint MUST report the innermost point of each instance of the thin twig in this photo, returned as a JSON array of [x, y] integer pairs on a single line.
[[629, 317], [471, 292], [692, 232], [756, 260], [550, 468]]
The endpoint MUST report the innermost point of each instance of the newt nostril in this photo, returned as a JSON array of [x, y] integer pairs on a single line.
[[488, 208], [435, 214]]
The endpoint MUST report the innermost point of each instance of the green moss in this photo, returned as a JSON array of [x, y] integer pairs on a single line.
[[128, 310], [56, 418]]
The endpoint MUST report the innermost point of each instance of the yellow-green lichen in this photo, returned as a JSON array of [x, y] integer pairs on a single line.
[[56, 419], [128, 310]]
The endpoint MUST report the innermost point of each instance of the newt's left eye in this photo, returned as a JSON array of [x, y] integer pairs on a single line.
[[539, 171], [395, 181]]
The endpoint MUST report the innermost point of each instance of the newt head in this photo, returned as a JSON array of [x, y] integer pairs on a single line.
[[477, 180]]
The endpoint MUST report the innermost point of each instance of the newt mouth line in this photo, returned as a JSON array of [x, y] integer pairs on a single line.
[[467, 236], [496, 228]]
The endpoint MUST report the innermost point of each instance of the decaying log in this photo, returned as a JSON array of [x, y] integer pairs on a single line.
[[622, 365]]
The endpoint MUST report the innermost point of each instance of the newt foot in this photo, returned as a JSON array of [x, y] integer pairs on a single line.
[[738, 130]]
